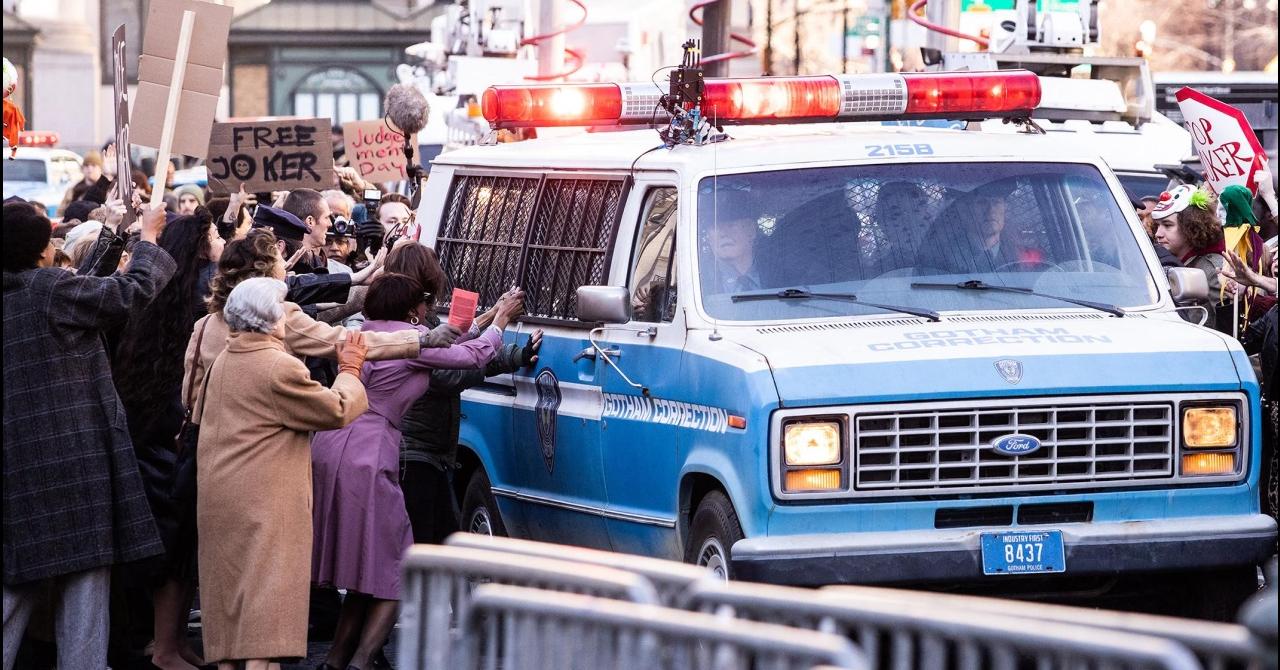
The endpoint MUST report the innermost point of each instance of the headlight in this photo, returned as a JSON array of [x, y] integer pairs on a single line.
[[1208, 464], [811, 443], [1209, 427]]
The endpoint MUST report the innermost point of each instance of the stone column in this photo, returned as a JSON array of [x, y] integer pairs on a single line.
[[66, 72]]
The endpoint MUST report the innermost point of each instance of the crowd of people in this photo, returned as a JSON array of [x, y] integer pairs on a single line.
[[204, 396]]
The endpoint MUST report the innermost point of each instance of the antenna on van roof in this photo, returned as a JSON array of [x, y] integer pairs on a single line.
[[683, 102]]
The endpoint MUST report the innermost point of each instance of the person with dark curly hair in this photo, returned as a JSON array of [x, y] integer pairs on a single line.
[[1187, 225], [147, 366]]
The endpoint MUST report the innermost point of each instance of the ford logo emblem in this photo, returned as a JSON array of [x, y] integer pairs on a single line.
[[1016, 444]]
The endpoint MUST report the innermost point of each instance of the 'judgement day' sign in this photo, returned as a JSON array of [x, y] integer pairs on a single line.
[[270, 154]]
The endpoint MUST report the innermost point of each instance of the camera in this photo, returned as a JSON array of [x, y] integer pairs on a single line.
[[342, 227], [372, 197]]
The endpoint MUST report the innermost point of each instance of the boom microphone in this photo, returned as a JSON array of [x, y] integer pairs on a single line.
[[407, 108]]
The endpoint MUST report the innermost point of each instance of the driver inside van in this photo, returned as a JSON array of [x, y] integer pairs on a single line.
[[732, 240]]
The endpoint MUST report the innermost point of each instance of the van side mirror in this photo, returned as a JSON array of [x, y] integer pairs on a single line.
[[1187, 284], [605, 304]]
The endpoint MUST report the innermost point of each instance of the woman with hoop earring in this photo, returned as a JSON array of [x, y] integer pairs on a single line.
[[360, 525]]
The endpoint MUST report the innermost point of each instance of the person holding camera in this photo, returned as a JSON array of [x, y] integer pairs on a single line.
[[341, 235], [74, 502]]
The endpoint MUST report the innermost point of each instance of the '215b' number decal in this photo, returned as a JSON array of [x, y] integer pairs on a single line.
[[882, 150]]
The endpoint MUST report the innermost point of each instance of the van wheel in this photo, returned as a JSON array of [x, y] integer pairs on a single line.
[[711, 536], [479, 509]]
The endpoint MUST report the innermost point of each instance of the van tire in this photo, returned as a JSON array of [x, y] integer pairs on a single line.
[[479, 508], [712, 533]]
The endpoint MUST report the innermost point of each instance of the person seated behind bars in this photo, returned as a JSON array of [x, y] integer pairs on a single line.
[[976, 222]]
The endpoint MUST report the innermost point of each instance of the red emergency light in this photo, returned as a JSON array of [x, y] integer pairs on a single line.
[[37, 138], [868, 97]]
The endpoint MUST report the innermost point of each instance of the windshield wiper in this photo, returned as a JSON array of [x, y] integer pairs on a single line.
[[802, 294], [978, 285]]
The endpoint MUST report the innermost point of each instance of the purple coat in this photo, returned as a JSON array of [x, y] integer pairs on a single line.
[[359, 520]]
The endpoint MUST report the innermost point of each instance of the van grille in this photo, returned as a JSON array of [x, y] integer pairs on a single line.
[[951, 448]]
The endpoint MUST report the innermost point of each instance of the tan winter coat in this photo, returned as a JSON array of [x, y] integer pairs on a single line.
[[303, 336], [253, 506]]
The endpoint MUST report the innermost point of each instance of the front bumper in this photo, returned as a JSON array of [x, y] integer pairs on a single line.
[[1097, 548]]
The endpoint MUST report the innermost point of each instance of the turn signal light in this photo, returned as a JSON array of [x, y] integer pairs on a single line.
[[797, 481], [1208, 464], [1209, 427]]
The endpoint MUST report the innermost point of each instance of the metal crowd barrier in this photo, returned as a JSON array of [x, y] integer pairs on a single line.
[[670, 578], [1217, 646], [438, 582], [513, 628], [909, 633]]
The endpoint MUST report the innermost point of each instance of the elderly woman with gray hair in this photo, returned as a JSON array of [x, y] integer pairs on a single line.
[[253, 504]]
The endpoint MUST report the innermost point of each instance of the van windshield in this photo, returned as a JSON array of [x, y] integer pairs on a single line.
[[890, 234], [24, 169]]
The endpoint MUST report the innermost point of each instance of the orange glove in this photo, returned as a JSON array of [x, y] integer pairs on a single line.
[[351, 354]]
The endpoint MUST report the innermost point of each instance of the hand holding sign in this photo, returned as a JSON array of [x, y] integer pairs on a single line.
[[1227, 146]]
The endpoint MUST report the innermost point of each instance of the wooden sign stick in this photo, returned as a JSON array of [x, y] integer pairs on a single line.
[[171, 109]]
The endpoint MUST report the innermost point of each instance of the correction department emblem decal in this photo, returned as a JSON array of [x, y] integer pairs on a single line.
[[1010, 369], [545, 412]]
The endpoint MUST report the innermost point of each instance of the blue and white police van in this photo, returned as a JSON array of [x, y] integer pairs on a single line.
[[819, 351]]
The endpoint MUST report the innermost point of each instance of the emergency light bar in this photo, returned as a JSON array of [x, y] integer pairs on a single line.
[[37, 138], [867, 97]]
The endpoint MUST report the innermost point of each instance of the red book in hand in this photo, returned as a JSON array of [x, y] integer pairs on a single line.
[[462, 309]]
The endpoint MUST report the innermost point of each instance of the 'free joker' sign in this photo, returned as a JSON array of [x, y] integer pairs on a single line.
[[1227, 146]]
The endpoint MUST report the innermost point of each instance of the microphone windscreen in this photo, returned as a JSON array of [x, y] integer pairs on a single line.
[[407, 108]]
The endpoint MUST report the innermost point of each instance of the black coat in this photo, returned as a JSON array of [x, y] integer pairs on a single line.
[[429, 431], [1261, 337], [73, 498]]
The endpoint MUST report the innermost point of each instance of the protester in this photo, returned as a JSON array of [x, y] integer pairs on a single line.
[[361, 527], [74, 502], [190, 196], [1187, 226], [309, 207], [395, 215], [91, 169], [338, 238], [148, 368], [254, 470], [258, 256], [1144, 208], [429, 431]]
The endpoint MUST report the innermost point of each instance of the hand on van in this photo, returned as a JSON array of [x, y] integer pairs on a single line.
[[529, 354]]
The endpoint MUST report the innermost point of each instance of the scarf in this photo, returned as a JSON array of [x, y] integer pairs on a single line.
[[1219, 247]]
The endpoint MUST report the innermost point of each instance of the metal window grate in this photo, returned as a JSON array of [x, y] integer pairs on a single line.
[[952, 448], [546, 234], [482, 233], [573, 230]]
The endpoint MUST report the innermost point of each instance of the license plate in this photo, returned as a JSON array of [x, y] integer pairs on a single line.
[[1023, 552]]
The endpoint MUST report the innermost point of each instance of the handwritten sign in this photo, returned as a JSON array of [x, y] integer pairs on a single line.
[[462, 308], [271, 154], [1227, 146], [120, 89], [376, 150]]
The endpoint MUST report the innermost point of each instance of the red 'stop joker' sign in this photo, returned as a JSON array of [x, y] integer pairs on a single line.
[[1227, 146]]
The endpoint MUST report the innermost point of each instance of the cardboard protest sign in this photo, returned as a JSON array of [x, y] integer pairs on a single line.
[[376, 150], [202, 82], [270, 154], [124, 171], [462, 307], [1227, 146]]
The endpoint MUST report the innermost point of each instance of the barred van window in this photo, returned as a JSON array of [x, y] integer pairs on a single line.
[[482, 233], [573, 232], [546, 234]]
